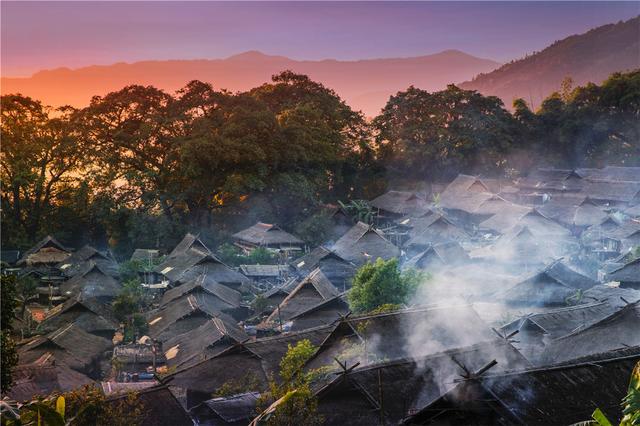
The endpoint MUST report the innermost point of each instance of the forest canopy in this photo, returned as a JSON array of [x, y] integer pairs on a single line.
[[138, 167]]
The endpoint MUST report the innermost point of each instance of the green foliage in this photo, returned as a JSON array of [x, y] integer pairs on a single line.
[[631, 402], [249, 382], [259, 304], [84, 406], [8, 301], [360, 210], [233, 256], [315, 229], [381, 284], [9, 359], [293, 401]]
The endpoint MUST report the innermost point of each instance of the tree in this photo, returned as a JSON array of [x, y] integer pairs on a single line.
[[292, 401], [7, 312], [40, 161], [382, 283], [422, 134]]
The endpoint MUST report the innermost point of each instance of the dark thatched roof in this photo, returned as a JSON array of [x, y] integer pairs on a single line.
[[392, 390], [465, 183], [144, 255], [625, 192], [616, 331], [311, 291], [228, 410], [92, 282], [189, 241], [254, 359], [542, 396], [160, 407], [193, 263], [401, 334], [78, 260], [266, 234], [363, 244], [551, 286], [208, 340], [47, 251], [89, 314], [182, 315], [229, 297], [70, 345], [629, 273], [43, 377], [437, 256], [324, 313], [264, 271], [433, 229], [400, 202], [338, 270]]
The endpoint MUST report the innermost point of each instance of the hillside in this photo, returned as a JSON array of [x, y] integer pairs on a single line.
[[588, 57], [364, 84]]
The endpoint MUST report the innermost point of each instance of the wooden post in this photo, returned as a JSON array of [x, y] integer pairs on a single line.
[[380, 398]]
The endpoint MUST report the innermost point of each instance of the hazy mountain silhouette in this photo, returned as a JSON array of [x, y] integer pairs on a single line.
[[364, 84], [588, 57]]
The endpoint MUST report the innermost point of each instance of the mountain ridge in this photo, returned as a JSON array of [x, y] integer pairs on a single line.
[[365, 84]]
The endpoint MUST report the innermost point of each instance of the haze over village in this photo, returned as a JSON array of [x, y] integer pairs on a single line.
[[360, 213]]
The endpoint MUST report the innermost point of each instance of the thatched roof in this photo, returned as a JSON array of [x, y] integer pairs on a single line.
[[183, 314], [551, 286], [137, 353], [189, 241], [78, 261], [465, 183], [401, 334], [144, 255], [437, 256], [612, 174], [338, 270], [312, 290], [192, 263], [433, 229], [228, 410], [70, 345], [264, 271], [89, 314], [325, 312], [542, 396], [229, 298], [160, 407], [254, 359], [43, 377], [389, 391], [629, 273], [363, 243], [400, 202], [92, 281], [626, 192], [619, 330], [208, 340], [561, 322], [46, 251], [266, 234]]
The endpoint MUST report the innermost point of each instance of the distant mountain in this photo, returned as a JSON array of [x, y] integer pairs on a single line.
[[588, 57], [364, 84]]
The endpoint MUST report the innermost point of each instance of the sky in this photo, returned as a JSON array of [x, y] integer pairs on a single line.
[[52, 34]]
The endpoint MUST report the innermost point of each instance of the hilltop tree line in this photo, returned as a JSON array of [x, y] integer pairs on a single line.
[[138, 167]]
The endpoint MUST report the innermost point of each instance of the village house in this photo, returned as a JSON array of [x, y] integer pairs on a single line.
[[363, 243], [89, 314], [78, 260], [627, 275], [235, 410], [92, 281], [337, 270], [269, 236]]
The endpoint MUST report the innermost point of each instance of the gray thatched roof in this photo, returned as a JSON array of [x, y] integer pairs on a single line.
[[229, 297], [78, 260], [189, 241], [208, 340], [144, 255], [564, 394], [264, 271], [266, 234], [193, 263], [629, 273], [46, 251], [438, 255], [92, 281], [70, 345], [363, 243], [43, 377], [159, 407], [551, 286], [311, 291], [465, 183], [433, 229], [400, 202], [89, 314], [228, 410], [626, 192], [183, 314], [619, 330]]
